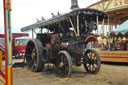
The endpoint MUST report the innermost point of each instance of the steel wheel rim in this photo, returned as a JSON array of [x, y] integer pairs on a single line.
[[62, 65], [32, 59], [91, 65]]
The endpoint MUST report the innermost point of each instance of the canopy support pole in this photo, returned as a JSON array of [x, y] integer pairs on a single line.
[[103, 26], [32, 33], [109, 24], [73, 26], [97, 20], [61, 27], [78, 29]]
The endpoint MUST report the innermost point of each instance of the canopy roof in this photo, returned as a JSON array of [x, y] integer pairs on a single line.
[[123, 28], [85, 12]]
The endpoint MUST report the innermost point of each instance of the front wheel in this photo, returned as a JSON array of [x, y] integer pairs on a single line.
[[92, 62], [64, 64]]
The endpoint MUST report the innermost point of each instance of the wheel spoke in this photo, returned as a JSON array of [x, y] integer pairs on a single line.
[[90, 68], [62, 58], [88, 65], [90, 54], [29, 64], [32, 68], [35, 62], [93, 56], [30, 48], [94, 68]]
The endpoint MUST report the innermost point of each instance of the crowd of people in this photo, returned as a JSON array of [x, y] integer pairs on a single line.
[[120, 44]]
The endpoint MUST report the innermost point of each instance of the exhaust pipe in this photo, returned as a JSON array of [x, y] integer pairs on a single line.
[[74, 5]]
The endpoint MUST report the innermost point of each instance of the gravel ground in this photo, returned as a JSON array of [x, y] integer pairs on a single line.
[[110, 74]]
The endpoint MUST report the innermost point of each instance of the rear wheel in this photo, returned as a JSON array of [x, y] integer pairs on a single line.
[[34, 55], [64, 64], [92, 61]]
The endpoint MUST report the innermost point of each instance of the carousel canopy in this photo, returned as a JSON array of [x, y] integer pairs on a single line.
[[123, 28]]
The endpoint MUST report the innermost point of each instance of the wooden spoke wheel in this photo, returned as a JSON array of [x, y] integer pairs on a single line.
[[34, 55], [64, 64], [92, 61]]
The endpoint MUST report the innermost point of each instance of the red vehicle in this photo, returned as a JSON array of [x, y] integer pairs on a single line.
[[19, 41], [20, 46]]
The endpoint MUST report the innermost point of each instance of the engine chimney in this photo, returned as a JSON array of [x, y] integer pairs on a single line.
[[74, 4]]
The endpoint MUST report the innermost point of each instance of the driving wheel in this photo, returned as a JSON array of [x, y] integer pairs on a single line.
[[34, 55]]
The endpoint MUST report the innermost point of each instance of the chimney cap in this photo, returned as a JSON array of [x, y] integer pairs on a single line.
[[74, 4]]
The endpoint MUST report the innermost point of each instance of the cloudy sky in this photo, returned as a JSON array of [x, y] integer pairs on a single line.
[[25, 12]]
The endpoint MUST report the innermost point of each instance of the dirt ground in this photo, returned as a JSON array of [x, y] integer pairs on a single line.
[[110, 74]]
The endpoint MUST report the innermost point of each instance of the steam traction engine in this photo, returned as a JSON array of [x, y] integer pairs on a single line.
[[64, 42]]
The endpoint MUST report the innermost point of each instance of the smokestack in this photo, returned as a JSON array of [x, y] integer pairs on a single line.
[[74, 4]]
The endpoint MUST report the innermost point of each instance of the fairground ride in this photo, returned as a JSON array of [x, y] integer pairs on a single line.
[[116, 27]]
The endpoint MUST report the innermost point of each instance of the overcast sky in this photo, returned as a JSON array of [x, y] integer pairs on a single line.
[[25, 12]]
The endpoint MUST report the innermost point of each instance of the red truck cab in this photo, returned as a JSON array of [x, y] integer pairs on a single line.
[[20, 46], [18, 49]]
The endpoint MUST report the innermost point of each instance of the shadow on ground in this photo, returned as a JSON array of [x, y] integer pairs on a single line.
[[19, 64], [115, 63]]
